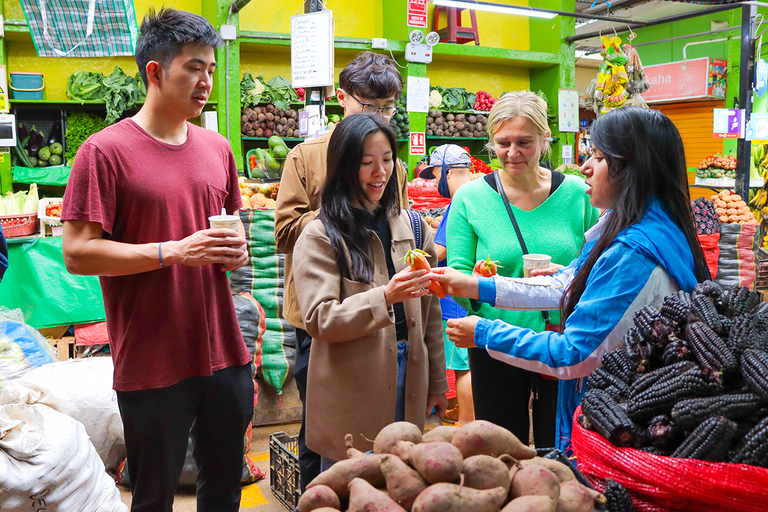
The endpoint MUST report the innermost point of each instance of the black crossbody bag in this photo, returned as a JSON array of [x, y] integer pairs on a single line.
[[500, 189]]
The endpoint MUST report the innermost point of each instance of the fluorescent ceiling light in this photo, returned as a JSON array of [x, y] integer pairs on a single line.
[[490, 7], [581, 54]]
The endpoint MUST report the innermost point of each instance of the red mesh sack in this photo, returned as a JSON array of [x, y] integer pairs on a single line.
[[668, 484], [425, 196], [710, 246]]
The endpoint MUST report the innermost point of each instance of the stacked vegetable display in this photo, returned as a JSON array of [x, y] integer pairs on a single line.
[[442, 124], [268, 163], [258, 195], [717, 166], [268, 120], [484, 101], [479, 467], [401, 122], [34, 149], [119, 91], [706, 218], [731, 208], [691, 380]]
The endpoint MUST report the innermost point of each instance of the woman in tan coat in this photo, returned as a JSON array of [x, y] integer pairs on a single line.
[[377, 354]]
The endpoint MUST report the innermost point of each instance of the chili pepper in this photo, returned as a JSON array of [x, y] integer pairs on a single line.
[[416, 258]]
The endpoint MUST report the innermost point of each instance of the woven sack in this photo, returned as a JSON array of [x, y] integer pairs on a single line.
[[659, 483], [737, 263]]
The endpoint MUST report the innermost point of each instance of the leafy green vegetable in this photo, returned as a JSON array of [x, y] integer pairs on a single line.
[[85, 85], [80, 126], [118, 90], [247, 90], [277, 91], [282, 92], [455, 98]]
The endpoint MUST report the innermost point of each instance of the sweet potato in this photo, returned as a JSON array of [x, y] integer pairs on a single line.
[[403, 450], [534, 480], [363, 497], [367, 467], [317, 497], [351, 450], [482, 437], [443, 433], [531, 504], [575, 497], [561, 471], [436, 462], [394, 432], [403, 482], [485, 472], [445, 497], [327, 509]]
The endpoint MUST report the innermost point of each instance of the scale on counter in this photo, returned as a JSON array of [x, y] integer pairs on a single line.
[[7, 130]]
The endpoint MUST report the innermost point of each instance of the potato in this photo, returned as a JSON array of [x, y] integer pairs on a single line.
[[326, 509], [575, 497], [394, 432], [482, 437], [318, 497], [443, 433], [403, 450], [534, 480], [485, 472], [437, 461], [404, 483], [561, 471], [364, 497], [531, 504], [338, 477], [446, 497]]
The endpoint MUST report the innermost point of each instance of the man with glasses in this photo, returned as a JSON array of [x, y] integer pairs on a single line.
[[370, 83]]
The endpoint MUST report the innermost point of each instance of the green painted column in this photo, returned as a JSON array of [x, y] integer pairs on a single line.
[[6, 176], [227, 78], [560, 76]]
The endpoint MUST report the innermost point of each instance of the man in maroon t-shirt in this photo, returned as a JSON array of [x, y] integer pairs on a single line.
[[136, 214]]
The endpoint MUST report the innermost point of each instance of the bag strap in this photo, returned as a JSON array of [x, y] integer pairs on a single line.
[[500, 190], [47, 35], [418, 233]]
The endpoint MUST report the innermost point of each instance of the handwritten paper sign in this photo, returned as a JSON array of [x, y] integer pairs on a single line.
[[312, 49]]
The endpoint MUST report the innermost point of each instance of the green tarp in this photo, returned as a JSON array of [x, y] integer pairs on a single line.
[[37, 282], [54, 175]]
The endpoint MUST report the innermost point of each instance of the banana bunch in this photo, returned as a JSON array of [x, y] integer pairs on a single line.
[[760, 158]]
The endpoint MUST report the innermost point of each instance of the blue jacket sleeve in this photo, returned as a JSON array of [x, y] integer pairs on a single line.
[[620, 283], [3, 254]]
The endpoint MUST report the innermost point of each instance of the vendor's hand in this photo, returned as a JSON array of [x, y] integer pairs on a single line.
[[552, 269], [461, 331], [438, 402], [477, 269], [456, 283], [406, 284], [223, 247]]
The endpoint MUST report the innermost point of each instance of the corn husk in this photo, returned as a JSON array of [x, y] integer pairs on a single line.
[[31, 201], [12, 206]]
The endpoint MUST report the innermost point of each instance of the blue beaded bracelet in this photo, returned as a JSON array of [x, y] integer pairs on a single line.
[[160, 254]]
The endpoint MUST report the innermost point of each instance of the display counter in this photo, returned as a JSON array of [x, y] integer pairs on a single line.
[[37, 282]]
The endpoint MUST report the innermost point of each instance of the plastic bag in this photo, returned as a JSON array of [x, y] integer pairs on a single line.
[[711, 248], [21, 346], [48, 463]]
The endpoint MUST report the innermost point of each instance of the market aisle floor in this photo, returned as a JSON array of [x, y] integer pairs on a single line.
[[256, 497]]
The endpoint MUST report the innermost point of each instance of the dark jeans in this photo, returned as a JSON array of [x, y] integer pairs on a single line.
[[157, 425], [501, 392], [309, 461]]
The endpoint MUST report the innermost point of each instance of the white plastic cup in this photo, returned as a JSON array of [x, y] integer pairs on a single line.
[[535, 262], [224, 222]]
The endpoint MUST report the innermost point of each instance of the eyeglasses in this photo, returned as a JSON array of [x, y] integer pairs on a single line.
[[370, 108]]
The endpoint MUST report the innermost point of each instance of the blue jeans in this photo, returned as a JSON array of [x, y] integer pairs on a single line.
[[402, 363]]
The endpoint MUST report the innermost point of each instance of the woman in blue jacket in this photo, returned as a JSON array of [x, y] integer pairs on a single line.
[[643, 249]]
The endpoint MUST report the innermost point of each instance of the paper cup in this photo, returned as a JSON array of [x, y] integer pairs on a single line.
[[534, 262], [224, 222]]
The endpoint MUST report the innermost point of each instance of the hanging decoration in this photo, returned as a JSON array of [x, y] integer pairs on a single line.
[[636, 82], [610, 89]]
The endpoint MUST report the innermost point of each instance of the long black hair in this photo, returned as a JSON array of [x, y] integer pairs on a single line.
[[342, 189], [645, 158]]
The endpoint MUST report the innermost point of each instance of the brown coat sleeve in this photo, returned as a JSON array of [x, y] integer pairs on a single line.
[[293, 210], [334, 308], [402, 177]]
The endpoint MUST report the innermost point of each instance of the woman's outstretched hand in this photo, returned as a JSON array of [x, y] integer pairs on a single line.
[[552, 269], [461, 331], [406, 284], [455, 283]]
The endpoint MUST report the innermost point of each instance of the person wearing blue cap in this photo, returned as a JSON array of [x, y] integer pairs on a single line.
[[450, 165]]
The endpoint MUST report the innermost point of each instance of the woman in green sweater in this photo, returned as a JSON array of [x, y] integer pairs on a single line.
[[552, 212]]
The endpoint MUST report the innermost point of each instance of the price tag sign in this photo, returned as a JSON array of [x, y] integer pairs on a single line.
[[417, 13], [418, 143], [728, 123]]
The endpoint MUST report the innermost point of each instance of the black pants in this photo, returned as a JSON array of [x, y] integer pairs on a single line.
[[157, 425], [501, 392], [309, 461]]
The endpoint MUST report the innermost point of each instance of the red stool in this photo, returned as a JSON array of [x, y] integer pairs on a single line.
[[454, 32]]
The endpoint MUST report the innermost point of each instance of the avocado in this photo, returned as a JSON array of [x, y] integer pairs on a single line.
[[280, 151], [56, 148], [44, 153], [275, 141]]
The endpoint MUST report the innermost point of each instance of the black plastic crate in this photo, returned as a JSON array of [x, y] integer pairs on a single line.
[[284, 474]]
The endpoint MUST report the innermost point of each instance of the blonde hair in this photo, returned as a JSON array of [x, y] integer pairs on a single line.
[[517, 104]]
